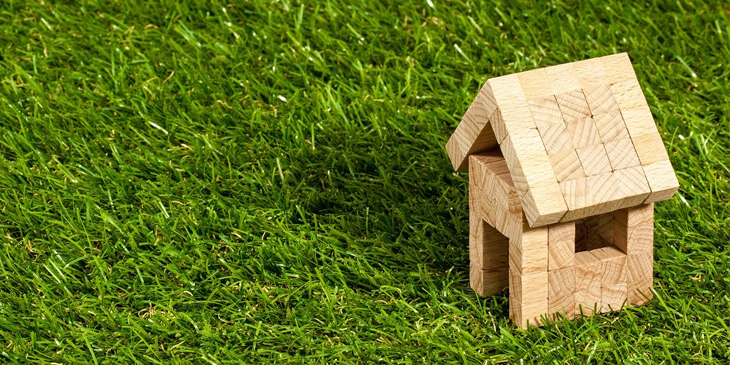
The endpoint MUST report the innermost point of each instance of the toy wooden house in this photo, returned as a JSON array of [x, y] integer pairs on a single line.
[[565, 164]]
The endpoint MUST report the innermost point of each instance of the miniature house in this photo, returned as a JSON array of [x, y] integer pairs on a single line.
[[565, 164]]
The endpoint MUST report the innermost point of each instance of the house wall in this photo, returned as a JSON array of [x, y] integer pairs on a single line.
[[596, 264]]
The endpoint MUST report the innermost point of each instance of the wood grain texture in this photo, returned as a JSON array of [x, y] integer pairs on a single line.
[[602, 226], [650, 149], [567, 165], [621, 154], [490, 248], [531, 155], [590, 73], [498, 127], [594, 159], [474, 133], [634, 216], [563, 78], [640, 277], [613, 278], [613, 265], [583, 132], [639, 121], [593, 195], [499, 204], [542, 204], [545, 111], [662, 181], [512, 103], [573, 105], [600, 99], [644, 135], [555, 138], [634, 188], [532, 173], [561, 245], [611, 126], [561, 291], [535, 83], [617, 68], [486, 97], [628, 94], [528, 253], [528, 298], [485, 282], [614, 297], [634, 229], [587, 283]]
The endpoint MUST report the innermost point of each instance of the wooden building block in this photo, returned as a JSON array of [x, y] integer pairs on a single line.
[[512, 103], [594, 159], [617, 68], [593, 195], [640, 267], [485, 282], [611, 126], [490, 181], [634, 186], [497, 123], [492, 281], [583, 132], [533, 172], [545, 111], [577, 197], [662, 181], [535, 83], [639, 122], [628, 94], [563, 78], [614, 297], [528, 299], [533, 167], [613, 265], [528, 145], [605, 194], [528, 253], [481, 205], [650, 149], [573, 105], [506, 195], [486, 97], [561, 293], [600, 99], [474, 133], [590, 73], [613, 278], [490, 247], [561, 245], [621, 154], [567, 165], [634, 229], [640, 277], [634, 216], [555, 138], [587, 283], [543, 210]]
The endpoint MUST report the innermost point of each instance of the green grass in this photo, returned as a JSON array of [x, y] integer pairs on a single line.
[[193, 182]]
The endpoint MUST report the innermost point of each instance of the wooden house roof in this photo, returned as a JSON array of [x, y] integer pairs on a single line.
[[578, 138]]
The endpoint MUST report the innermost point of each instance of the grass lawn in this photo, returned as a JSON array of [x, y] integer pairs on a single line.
[[212, 182]]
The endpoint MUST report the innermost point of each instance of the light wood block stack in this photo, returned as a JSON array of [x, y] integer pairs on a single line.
[[565, 164]]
